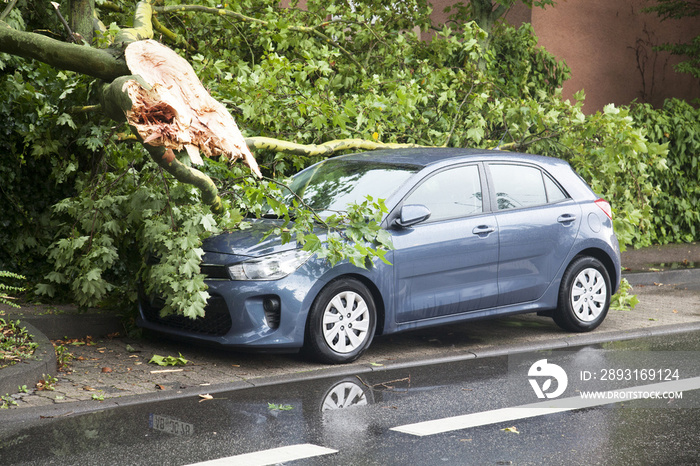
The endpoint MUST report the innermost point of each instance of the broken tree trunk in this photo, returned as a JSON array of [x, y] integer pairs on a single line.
[[177, 112], [173, 115]]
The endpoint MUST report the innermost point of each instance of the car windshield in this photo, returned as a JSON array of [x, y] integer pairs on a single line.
[[331, 185]]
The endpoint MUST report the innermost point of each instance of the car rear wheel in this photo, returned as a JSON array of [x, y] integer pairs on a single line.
[[584, 295], [341, 323]]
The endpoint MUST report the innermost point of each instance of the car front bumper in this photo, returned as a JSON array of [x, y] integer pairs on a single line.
[[259, 315]]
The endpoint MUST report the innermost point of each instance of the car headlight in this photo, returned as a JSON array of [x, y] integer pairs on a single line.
[[272, 267]]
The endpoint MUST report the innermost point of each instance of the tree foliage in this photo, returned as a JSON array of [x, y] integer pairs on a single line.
[[676, 207], [675, 9], [87, 196], [679, 9]]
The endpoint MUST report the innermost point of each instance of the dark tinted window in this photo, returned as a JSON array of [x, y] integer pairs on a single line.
[[517, 186], [450, 193]]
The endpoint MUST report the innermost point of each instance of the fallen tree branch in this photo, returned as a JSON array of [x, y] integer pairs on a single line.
[[522, 145], [86, 109], [143, 28], [72, 57], [175, 111], [71, 37], [117, 102], [327, 148], [170, 35], [109, 6], [168, 161]]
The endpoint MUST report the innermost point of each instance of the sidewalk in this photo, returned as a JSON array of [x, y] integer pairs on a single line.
[[108, 369]]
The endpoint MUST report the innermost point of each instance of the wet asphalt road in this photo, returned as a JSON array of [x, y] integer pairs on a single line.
[[355, 418]]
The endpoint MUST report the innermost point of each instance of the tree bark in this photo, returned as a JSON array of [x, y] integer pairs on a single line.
[[72, 57], [142, 29], [81, 18], [327, 148]]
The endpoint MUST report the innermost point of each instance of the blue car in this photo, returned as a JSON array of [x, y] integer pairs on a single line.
[[476, 234]]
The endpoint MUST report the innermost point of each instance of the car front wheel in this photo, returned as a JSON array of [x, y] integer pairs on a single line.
[[341, 323], [584, 295]]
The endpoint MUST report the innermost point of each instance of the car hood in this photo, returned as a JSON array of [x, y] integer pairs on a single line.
[[248, 242]]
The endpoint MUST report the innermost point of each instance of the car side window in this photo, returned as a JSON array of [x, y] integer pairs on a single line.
[[554, 192], [450, 193], [517, 186]]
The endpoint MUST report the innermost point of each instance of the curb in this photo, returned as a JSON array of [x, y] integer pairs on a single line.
[[29, 372], [651, 278], [66, 326], [43, 328]]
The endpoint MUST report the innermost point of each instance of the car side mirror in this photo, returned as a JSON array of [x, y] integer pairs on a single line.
[[412, 214]]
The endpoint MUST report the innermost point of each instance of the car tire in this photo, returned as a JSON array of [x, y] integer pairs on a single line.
[[341, 323], [584, 295]]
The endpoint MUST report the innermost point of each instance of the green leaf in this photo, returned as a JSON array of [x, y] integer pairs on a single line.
[[65, 119], [279, 407], [168, 360]]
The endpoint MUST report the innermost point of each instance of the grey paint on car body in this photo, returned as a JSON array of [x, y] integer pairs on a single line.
[[515, 268]]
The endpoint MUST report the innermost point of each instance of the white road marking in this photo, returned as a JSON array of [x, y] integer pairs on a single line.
[[272, 456], [438, 426]]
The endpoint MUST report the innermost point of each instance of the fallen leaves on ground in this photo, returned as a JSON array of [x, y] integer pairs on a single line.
[[88, 340], [168, 360]]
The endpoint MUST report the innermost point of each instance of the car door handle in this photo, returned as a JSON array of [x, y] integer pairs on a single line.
[[483, 230], [566, 218]]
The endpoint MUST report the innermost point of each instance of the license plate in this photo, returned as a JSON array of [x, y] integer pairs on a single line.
[[169, 425]]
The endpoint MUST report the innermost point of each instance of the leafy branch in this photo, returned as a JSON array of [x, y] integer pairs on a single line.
[[6, 290], [313, 30]]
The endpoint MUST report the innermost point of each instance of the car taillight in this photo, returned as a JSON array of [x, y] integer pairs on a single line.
[[605, 207]]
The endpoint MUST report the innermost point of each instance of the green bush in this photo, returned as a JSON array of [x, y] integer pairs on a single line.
[[676, 206]]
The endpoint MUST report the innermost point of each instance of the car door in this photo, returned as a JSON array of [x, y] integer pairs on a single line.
[[448, 263], [537, 225]]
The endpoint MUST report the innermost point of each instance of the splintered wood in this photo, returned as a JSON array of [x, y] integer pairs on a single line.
[[178, 112]]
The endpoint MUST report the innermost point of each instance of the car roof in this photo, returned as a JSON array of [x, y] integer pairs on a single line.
[[435, 158], [427, 156]]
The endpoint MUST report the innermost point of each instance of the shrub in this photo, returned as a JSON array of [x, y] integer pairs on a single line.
[[676, 205]]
